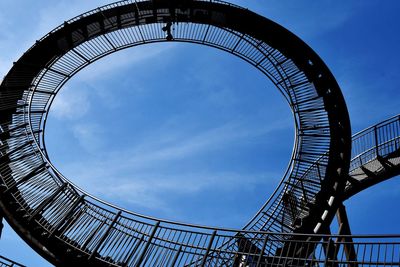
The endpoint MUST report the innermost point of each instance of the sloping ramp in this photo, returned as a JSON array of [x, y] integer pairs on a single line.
[[375, 156]]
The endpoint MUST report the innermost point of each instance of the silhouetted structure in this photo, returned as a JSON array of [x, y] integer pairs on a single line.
[[67, 225], [4, 262]]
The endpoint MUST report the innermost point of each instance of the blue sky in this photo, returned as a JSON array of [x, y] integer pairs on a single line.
[[212, 135]]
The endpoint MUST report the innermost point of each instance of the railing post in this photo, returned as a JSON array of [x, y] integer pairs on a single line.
[[104, 236], [132, 253], [262, 251], [319, 172], [66, 215], [176, 256], [146, 247], [376, 141], [203, 262], [12, 151], [397, 142], [47, 202], [27, 177], [327, 249], [347, 240]]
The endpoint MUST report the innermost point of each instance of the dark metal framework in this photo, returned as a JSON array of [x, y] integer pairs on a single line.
[[5, 262], [67, 225]]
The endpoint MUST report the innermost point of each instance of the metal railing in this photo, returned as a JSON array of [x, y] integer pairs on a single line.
[[224, 39], [380, 140], [4, 262], [91, 229]]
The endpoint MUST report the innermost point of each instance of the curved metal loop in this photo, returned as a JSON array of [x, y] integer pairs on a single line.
[[304, 201]]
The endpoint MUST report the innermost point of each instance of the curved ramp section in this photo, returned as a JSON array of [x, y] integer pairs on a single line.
[[375, 156], [67, 225]]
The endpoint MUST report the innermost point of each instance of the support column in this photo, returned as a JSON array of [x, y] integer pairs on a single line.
[[330, 250], [347, 240]]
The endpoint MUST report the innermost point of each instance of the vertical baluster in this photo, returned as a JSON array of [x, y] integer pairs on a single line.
[[176, 256], [262, 251], [92, 235], [208, 249], [10, 152], [319, 172], [103, 238], [130, 256], [47, 202], [4, 134], [146, 247], [376, 141], [398, 133], [66, 215], [28, 176]]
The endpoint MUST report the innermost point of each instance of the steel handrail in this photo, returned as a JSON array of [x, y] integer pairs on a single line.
[[99, 210], [380, 124]]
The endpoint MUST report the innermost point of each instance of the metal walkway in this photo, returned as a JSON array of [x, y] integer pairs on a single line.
[[375, 156], [67, 225]]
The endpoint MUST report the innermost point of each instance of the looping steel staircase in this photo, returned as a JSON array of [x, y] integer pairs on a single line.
[[67, 225]]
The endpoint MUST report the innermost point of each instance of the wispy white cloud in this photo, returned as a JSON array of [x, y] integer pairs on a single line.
[[140, 175], [174, 146], [148, 189], [71, 104], [89, 136], [74, 103], [137, 57], [167, 145]]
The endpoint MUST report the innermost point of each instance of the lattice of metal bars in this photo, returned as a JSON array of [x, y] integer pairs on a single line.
[[98, 230]]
